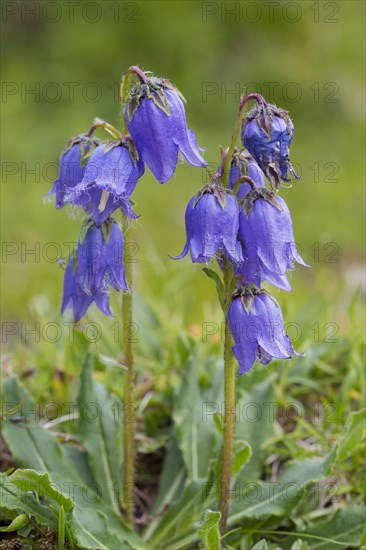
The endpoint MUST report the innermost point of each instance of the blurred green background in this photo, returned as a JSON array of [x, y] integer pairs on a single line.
[[306, 57]]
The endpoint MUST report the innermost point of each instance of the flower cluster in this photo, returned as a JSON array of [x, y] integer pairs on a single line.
[[100, 176], [247, 226]]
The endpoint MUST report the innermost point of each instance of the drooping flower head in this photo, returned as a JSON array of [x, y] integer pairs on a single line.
[[110, 177], [72, 167], [76, 298], [252, 271], [265, 228], [94, 269], [100, 255], [156, 120], [256, 323], [212, 223], [267, 132]]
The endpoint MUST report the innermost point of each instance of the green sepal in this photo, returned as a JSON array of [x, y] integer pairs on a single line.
[[106, 228], [87, 146], [247, 300], [132, 150], [265, 119], [220, 195], [84, 229], [72, 141], [267, 293], [160, 100], [111, 145], [264, 114], [154, 90], [133, 104], [259, 193], [170, 86], [241, 159]]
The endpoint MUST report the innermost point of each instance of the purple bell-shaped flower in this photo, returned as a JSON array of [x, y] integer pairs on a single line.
[[72, 167], [156, 120], [110, 177], [95, 269], [265, 228], [256, 324], [242, 165], [100, 259], [77, 299], [212, 223], [267, 132]]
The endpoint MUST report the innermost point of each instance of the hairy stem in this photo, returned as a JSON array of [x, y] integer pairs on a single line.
[[236, 132], [99, 123], [229, 364], [229, 420], [129, 428]]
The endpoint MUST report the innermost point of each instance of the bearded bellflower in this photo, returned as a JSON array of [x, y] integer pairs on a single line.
[[267, 132], [75, 298], [95, 269], [156, 120], [72, 167], [265, 229], [243, 165], [100, 256], [256, 323], [212, 223], [252, 271], [110, 177]]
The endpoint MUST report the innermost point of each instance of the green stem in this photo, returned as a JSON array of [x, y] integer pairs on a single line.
[[124, 88], [229, 421], [229, 363], [236, 132], [128, 418], [99, 123]]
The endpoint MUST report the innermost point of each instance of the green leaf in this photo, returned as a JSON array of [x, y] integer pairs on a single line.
[[219, 422], [100, 431], [179, 518], [352, 435], [344, 530], [264, 500], [255, 423], [196, 432], [12, 498], [171, 484], [208, 530], [219, 285], [34, 447], [241, 454], [61, 530], [16, 524], [261, 545], [92, 531], [172, 477], [300, 545], [30, 480]]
